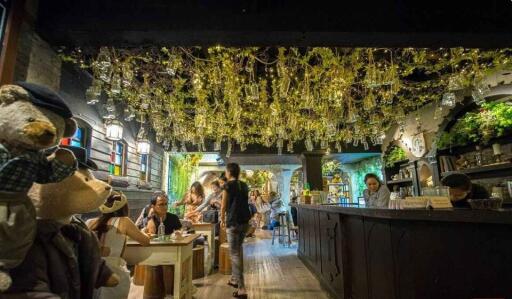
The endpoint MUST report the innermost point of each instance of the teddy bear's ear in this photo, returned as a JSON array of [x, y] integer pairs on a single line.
[[70, 129], [12, 93]]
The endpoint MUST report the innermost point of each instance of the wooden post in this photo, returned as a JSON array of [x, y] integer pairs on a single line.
[[10, 41]]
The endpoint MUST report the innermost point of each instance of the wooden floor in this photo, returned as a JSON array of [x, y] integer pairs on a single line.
[[271, 272]]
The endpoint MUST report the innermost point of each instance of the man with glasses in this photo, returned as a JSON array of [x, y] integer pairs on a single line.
[[158, 212]]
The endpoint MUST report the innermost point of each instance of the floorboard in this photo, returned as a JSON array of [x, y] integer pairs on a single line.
[[271, 272]]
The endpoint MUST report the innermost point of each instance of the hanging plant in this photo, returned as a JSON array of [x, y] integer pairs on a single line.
[[396, 154], [492, 120]]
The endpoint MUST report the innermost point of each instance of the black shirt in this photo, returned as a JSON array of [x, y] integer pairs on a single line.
[[477, 192], [237, 210], [171, 222]]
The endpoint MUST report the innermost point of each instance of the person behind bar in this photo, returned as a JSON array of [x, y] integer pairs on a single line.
[[376, 195], [235, 216], [461, 189]]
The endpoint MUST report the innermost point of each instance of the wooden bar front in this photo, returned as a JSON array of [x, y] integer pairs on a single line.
[[376, 253]]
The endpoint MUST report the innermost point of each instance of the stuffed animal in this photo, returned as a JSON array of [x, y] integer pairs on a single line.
[[33, 119], [65, 258]]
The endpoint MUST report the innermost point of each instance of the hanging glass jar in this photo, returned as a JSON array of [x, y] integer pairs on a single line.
[[103, 65], [115, 85], [93, 93], [448, 99]]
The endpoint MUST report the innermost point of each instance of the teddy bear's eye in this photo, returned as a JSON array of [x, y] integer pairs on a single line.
[[86, 179], [31, 119]]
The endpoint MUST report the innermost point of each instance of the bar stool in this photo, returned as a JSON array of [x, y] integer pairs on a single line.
[[284, 227]]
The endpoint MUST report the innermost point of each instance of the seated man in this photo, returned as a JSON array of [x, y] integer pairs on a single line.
[[141, 221], [158, 212]]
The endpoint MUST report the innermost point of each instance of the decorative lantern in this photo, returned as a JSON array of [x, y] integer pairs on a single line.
[[143, 144], [114, 130]]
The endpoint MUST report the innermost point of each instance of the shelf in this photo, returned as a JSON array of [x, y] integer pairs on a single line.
[[409, 180], [493, 170], [336, 184]]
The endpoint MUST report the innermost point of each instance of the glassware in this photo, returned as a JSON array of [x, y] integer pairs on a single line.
[[161, 230], [449, 99]]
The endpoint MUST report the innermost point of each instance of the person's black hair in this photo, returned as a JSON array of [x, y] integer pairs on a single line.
[[223, 177], [458, 181], [234, 169], [156, 195], [372, 176], [101, 226]]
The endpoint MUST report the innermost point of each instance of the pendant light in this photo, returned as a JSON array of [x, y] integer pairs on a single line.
[[143, 144], [114, 130]]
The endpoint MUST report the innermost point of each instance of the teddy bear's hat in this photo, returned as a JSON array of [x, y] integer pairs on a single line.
[[46, 98], [81, 157]]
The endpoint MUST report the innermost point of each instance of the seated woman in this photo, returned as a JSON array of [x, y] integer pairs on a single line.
[[112, 227], [263, 209], [462, 189], [192, 200], [276, 208], [158, 212], [376, 195]]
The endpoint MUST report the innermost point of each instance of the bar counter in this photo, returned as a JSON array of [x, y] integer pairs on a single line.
[[379, 253]]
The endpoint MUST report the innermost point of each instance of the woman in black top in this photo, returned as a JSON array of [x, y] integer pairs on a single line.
[[235, 216]]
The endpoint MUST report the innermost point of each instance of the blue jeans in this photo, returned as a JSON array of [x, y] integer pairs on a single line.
[[236, 236]]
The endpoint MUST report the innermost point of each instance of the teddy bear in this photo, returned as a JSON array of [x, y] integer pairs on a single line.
[[33, 120], [65, 259]]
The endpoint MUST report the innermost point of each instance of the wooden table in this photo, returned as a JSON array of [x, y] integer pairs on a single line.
[[176, 252], [207, 229]]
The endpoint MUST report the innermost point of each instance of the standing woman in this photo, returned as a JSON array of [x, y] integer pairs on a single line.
[[376, 195], [192, 200], [235, 215], [112, 227]]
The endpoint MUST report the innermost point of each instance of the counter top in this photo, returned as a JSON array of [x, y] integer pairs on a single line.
[[503, 216]]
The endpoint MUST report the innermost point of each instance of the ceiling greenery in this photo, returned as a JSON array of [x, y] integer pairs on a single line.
[[277, 96]]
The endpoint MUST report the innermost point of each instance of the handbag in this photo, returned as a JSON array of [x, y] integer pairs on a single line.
[[211, 216]]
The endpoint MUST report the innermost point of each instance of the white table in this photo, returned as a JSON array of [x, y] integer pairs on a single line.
[[176, 252], [207, 229]]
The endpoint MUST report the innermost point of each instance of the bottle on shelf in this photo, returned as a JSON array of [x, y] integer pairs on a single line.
[[161, 230]]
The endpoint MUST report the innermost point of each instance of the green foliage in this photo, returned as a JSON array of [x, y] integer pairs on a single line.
[[371, 165], [181, 167], [257, 179], [492, 120], [331, 168], [395, 154]]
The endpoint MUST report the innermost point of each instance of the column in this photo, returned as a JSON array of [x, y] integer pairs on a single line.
[[312, 169]]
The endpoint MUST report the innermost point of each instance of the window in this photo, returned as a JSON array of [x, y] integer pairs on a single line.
[[81, 137], [118, 158], [77, 140], [144, 167]]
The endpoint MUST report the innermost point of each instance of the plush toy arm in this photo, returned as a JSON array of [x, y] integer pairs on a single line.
[[106, 278], [61, 166]]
